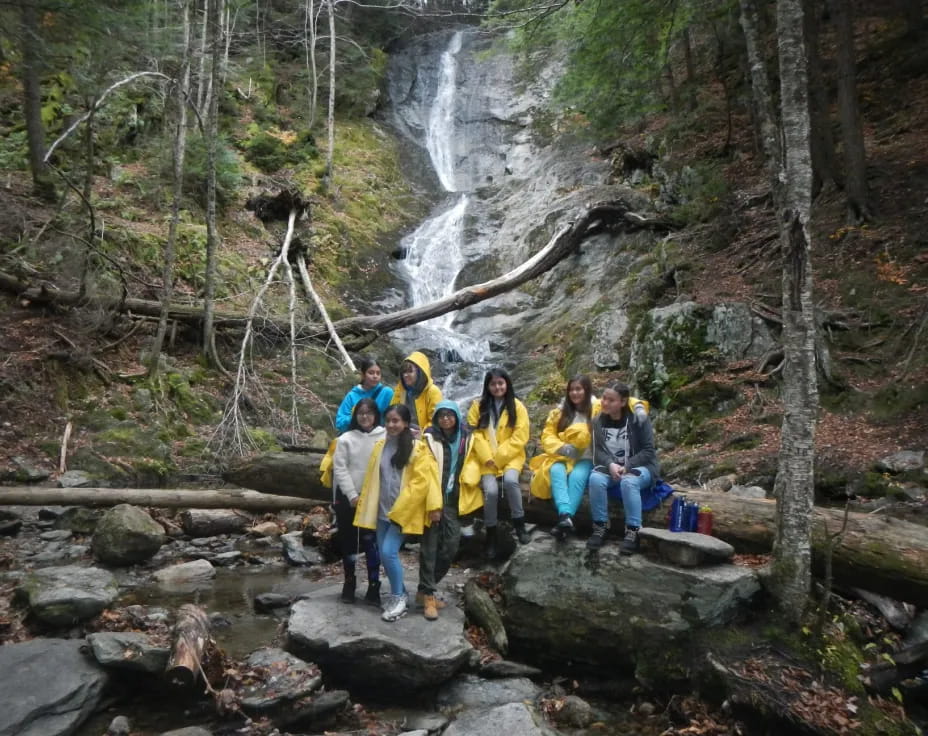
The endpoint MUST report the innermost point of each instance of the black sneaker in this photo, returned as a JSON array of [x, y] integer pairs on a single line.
[[565, 525], [598, 537], [630, 543]]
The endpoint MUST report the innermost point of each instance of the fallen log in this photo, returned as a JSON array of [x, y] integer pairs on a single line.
[[881, 554], [160, 498], [284, 473], [191, 634], [212, 522]]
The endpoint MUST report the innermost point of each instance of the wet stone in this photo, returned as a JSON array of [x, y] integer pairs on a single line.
[[129, 650], [55, 535], [284, 678], [687, 549], [471, 691], [506, 668], [513, 719], [266, 602]]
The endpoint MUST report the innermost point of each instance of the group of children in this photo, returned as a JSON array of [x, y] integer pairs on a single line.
[[407, 462]]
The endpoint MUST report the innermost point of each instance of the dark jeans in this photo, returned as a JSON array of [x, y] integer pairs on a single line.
[[439, 546], [352, 540]]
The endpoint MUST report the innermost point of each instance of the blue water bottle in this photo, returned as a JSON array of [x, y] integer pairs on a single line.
[[677, 513], [692, 517]]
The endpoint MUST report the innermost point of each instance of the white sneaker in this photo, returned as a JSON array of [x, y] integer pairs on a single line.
[[395, 608], [467, 531]]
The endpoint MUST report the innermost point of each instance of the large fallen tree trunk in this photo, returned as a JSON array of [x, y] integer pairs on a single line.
[[191, 634], [885, 555], [159, 498], [593, 219]]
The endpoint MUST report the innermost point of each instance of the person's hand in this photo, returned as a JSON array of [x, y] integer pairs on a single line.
[[415, 431], [616, 470], [354, 501], [491, 464], [567, 451], [435, 516]]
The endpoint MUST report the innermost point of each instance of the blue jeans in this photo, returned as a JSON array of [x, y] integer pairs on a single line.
[[567, 488], [602, 486], [389, 539]]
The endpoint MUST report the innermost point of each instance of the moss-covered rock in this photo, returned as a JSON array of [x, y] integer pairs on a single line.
[[126, 535]]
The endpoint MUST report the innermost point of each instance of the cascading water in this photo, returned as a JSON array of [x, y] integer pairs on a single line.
[[434, 252]]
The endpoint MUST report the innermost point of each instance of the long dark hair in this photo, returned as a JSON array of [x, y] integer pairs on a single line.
[[568, 412], [623, 390], [368, 404], [367, 361], [486, 399], [405, 438]]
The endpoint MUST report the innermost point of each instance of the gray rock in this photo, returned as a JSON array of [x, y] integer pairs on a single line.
[[471, 691], [417, 732], [75, 479], [505, 668], [119, 726], [902, 461], [226, 559], [513, 719], [575, 712], [609, 330], [296, 554], [722, 483], [311, 714], [10, 523], [432, 723], [79, 519], [126, 535], [688, 549], [737, 333], [635, 612], [481, 609], [188, 731], [354, 644], [51, 687], [747, 492], [62, 596], [129, 650], [269, 601], [55, 535], [186, 575], [918, 631], [283, 678], [27, 472]]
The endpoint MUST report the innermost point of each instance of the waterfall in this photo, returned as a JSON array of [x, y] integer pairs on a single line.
[[434, 252]]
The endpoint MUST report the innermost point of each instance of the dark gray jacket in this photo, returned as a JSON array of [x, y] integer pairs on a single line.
[[641, 452]]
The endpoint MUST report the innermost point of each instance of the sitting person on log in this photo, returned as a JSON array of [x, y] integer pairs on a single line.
[[370, 387], [563, 469], [446, 478], [416, 391], [352, 452], [390, 505], [500, 425], [624, 464]]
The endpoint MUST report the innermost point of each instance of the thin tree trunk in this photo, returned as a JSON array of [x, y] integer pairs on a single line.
[[87, 194], [823, 142], [792, 552], [309, 48], [330, 154], [212, 233], [32, 100], [180, 147], [760, 84], [201, 73], [855, 157]]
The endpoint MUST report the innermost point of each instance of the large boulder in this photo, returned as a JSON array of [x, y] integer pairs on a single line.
[[51, 687], [63, 596], [353, 644], [563, 605], [125, 535]]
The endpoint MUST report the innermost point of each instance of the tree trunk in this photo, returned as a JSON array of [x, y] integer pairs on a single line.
[[180, 147], [823, 142], [191, 635], [330, 153], [212, 143], [171, 499], [32, 100], [914, 16], [855, 157], [201, 73], [792, 553], [760, 85], [212, 522], [309, 48]]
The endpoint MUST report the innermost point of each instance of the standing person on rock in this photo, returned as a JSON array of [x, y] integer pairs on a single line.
[[416, 391], [349, 464], [624, 463], [500, 425], [448, 473], [370, 387], [390, 505], [564, 467]]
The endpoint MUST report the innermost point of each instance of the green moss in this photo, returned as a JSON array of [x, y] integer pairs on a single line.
[[895, 400], [263, 440]]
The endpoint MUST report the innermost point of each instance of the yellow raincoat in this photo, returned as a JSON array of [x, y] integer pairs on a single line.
[[428, 399], [577, 434], [507, 447]]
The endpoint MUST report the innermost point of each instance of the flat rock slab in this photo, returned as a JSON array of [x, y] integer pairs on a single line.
[[471, 691], [352, 643], [62, 596], [283, 678], [514, 719], [129, 650], [687, 549]]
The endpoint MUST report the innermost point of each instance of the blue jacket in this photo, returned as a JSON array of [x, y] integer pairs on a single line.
[[381, 393]]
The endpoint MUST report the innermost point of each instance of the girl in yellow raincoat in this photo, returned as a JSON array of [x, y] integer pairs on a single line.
[[563, 470], [416, 390]]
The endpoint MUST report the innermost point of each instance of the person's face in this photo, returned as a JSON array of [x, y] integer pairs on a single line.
[[371, 377], [447, 420], [612, 403], [365, 417], [497, 387], [576, 393], [395, 424], [410, 373]]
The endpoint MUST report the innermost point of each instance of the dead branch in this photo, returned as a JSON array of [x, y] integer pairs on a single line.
[[307, 284]]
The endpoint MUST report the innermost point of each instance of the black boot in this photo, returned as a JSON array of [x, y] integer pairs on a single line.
[[523, 536], [489, 546], [351, 582], [372, 595]]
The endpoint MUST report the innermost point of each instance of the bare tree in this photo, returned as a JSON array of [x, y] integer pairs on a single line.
[[823, 142], [212, 147], [309, 49], [330, 152], [31, 44], [760, 85], [182, 87], [792, 553]]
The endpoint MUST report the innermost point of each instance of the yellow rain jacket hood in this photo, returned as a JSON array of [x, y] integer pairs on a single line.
[[427, 399], [577, 434]]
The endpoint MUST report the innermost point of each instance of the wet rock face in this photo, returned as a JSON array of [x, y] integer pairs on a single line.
[[51, 687], [353, 644], [62, 596], [563, 604]]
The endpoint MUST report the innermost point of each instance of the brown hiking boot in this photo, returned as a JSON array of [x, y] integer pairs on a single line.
[[431, 608], [420, 601]]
